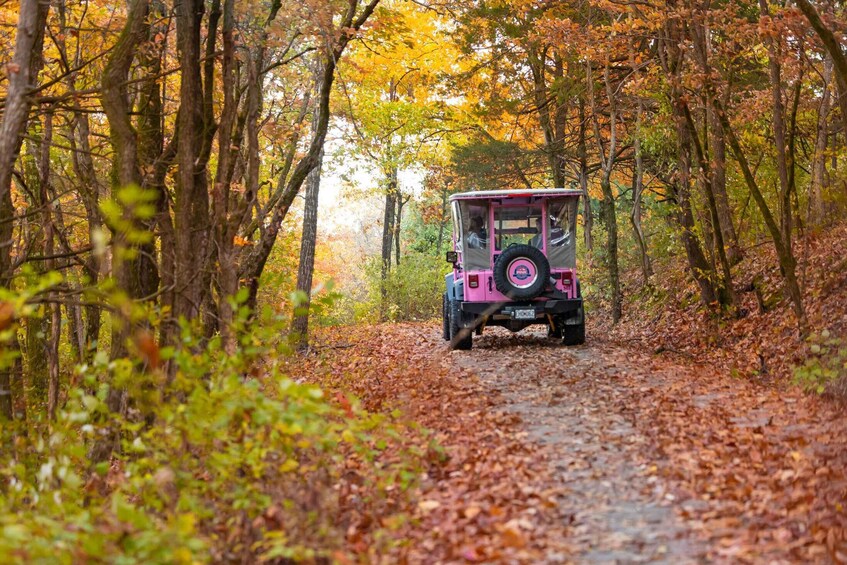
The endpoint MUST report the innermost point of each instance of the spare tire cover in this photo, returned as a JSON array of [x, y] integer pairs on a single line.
[[521, 272]]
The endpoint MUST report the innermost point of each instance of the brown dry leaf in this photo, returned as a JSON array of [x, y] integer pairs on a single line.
[[428, 505], [472, 512]]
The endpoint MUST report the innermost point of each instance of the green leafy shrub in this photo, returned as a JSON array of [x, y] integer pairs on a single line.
[[826, 363], [412, 289], [228, 460]]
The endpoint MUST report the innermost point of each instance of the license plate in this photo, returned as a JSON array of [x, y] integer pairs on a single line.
[[524, 313]]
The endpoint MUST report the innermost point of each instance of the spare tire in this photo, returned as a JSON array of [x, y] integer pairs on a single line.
[[521, 272]]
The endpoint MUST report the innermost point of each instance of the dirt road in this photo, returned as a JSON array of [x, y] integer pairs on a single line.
[[600, 453], [668, 461]]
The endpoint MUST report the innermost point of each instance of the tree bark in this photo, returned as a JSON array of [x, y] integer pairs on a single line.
[[778, 122], [697, 262], [543, 102], [191, 202], [637, 191], [582, 153], [128, 265], [388, 221], [305, 271], [726, 293], [817, 209], [22, 77], [608, 157], [398, 224]]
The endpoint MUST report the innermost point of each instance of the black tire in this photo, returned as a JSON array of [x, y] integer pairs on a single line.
[[507, 258], [460, 338], [575, 334], [445, 315], [556, 332]]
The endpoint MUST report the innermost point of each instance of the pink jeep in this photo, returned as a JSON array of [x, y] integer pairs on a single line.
[[514, 264]]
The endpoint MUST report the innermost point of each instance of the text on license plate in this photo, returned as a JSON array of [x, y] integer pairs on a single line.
[[524, 313]]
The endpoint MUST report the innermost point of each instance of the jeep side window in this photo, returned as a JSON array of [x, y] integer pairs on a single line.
[[474, 233], [561, 245]]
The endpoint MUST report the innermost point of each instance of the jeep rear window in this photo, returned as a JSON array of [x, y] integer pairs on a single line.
[[516, 225]]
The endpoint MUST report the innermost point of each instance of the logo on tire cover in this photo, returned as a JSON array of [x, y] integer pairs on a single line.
[[521, 272]]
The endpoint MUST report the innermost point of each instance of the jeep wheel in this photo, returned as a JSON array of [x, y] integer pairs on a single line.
[[555, 330], [574, 334], [445, 317], [460, 338], [521, 272]]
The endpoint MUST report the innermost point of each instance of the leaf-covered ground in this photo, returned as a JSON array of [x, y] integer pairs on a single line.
[[597, 453], [763, 343]]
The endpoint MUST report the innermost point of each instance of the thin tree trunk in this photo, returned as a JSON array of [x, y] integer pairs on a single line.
[[126, 261], [816, 199], [697, 262], [305, 271], [442, 223], [552, 145], [608, 158], [387, 237], [726, 293], [398, 222], [22, 76], [191, 202], [778, 122], [49, 226], [582, 152], [637, 191], [718, 168], [38, 327]]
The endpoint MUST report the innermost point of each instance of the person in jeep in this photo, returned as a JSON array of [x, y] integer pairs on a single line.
[[477, 236]]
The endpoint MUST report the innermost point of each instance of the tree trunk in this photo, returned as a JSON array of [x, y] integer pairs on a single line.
[[443, 220], [718, 168], [817, 208], [191, 202], [637, 191], [726, 293], [697, 262], [582, 152], [225, 222], [552, 145], [608, 157], [49, 226], [300, 326], [127, 263], [611, 222], [398, 222], [22, 76], [778, 122], [387, 237]]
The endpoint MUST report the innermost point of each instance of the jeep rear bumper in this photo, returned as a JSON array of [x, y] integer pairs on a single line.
[[551, 307]]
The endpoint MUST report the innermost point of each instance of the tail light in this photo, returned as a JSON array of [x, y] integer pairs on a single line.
[[567, 279], [473, 281]]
